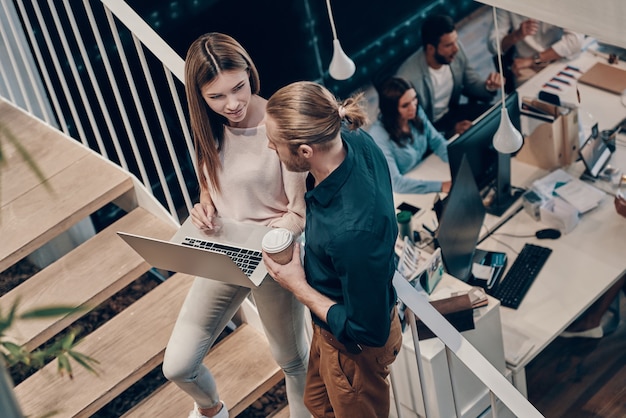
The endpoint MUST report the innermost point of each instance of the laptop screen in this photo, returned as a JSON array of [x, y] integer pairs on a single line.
[[460, 224]]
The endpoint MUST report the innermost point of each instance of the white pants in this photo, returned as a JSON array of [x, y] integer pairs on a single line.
[[207, 309]]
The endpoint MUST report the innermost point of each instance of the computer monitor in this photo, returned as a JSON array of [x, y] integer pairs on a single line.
[[491, 169], [460, 223]]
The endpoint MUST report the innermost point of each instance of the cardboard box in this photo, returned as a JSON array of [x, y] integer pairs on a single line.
[[549, 144]]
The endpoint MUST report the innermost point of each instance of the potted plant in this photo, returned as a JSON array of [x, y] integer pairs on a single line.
[[11, 353]]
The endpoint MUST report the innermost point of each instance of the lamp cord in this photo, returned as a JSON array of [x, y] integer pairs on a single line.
[[332, 21], [498, 47]]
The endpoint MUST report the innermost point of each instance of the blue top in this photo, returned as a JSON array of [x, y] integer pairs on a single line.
[[404, 159], [350, 234]]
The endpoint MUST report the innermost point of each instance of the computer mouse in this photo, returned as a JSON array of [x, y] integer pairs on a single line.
[[548, 233]]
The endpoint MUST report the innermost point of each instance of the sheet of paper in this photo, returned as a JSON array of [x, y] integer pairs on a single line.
[[580, 195]]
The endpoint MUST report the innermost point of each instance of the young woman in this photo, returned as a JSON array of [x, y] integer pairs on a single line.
[[405, 134], [242, 179]]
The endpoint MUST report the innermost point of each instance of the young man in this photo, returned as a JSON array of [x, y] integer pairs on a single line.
[[350, 233], [441, 73]]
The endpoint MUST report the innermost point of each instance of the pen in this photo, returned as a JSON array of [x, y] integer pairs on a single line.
[[566, 74], [560, 80], [569, 67]]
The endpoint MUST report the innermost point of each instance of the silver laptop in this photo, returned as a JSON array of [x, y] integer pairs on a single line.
[[232, 255]]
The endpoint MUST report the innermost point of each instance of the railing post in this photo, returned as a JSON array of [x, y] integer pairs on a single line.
[[410, 317]]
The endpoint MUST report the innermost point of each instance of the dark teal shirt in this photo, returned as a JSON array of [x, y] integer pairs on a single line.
[[349, 248]]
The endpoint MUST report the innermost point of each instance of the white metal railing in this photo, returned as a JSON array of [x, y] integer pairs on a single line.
[[120, 116]]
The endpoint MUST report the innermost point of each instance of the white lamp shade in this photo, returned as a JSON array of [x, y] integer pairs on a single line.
[[507, 139], [341, 66]]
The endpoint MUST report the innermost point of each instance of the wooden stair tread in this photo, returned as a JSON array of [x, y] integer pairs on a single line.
[[50, 149], [94, 271], [281, 413], [243, 368], [128, 346], [39, 215]]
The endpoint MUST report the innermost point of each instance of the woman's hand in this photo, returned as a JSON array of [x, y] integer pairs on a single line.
[[204, 217]]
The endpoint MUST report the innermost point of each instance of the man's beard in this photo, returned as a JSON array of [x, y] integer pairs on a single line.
[[441, 59], [297, 164]]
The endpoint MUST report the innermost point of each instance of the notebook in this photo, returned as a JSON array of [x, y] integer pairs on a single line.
[[606, 77], [231, 255]]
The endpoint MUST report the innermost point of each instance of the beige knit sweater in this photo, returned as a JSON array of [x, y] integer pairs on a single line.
[[255, 186]]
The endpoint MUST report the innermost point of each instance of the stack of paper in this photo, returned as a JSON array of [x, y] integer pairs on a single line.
[[574, 191]]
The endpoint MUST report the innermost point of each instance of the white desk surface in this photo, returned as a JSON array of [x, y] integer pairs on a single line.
[[584, 263]]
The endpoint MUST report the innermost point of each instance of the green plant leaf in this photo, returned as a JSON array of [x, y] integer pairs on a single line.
[[50, 311], [63, 363], [12, 348], [67, 341], [85, 361]]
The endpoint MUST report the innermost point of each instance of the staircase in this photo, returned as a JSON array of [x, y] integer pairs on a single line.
[[131, 344]]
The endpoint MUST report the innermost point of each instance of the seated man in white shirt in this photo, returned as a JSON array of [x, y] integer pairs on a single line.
[[440, 72], [530, 44]]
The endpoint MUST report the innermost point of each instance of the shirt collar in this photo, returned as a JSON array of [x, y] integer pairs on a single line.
[[326, 190]]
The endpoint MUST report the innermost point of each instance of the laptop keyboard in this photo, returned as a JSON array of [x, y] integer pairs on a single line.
[[246, 260]]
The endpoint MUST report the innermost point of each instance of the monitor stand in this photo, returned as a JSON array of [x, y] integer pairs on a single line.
[[505, 195]]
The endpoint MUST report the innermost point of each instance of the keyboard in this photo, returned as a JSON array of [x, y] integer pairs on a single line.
[[526, 267], [246, 260]]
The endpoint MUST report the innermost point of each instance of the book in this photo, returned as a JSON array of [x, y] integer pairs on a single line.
[[457, 310]]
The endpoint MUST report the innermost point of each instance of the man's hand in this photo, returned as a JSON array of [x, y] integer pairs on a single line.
[[462, 126], [291, 276], [528, 27], [620, 205], [445, 186], [494, 82]]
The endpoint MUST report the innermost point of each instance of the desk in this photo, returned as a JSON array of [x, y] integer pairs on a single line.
[[451, 387], [584, 263]]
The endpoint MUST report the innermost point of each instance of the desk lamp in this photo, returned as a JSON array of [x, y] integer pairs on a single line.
[[341, 66], [507, 139]]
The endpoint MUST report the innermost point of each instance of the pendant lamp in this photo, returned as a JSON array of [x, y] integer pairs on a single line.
[[507, 139], [341, 66]]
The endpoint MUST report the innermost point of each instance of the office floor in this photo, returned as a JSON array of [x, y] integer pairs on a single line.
[[581, 378], [574, 378]]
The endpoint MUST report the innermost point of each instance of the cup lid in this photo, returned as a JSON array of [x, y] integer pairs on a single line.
[[277, 240]]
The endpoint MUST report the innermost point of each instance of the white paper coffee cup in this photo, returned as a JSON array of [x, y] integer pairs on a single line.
[[278, 244]]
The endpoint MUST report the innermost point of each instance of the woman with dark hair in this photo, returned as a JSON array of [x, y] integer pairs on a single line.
[[241, 179], [405, 135]]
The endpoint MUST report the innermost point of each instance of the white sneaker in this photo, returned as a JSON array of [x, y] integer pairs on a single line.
[[196, 413]]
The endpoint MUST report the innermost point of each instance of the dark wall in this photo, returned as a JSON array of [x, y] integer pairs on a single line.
[[291, 40]]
